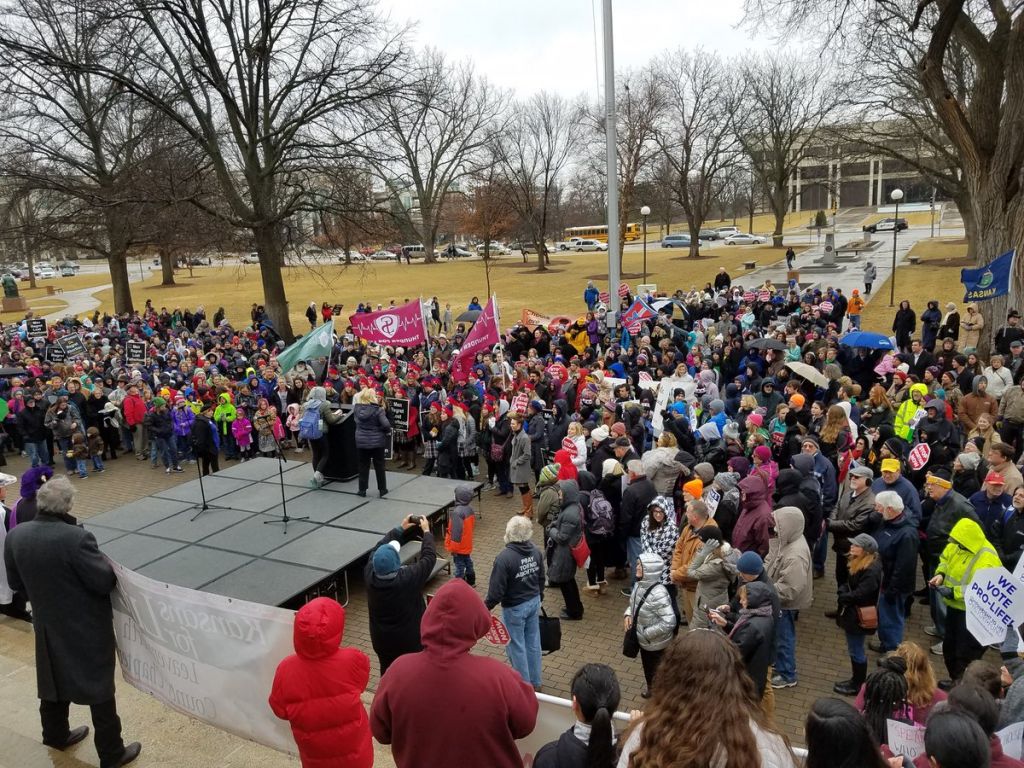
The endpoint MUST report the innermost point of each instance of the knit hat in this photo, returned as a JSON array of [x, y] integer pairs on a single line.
[[731, 431], [386, 561], [994, 478], [969, 461], [865, 542], [158, 401], [717, 406], [901, 375], [695, 488], [709, 532], [797, 400], [726, 480], [537, 405], [600, 434], [548, 475], [756, 419], [763, 452], [751, 564], [611, 467], [939, 477], [618, 429], [705, 471], [890, 465]]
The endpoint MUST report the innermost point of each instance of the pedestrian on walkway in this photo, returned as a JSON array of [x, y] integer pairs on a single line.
[[870, 273]]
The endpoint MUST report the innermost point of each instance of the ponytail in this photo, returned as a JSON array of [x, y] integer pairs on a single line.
[[601, 749], [596, 690]]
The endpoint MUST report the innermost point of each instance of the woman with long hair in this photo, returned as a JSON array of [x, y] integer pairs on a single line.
[[877, 410], [373, 431], [590, 743], [885, 698], [859, 591], [835, 437], [703, 683], [837, 736], [923, 691]]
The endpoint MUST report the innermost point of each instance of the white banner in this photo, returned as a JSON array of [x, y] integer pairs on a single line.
[[665, 397], [208, 656], [994, 601]]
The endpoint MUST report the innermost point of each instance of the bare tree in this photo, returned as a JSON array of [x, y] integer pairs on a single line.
[[696, 133], [780, 107], [435, 133], [272, 92], [532, 153]]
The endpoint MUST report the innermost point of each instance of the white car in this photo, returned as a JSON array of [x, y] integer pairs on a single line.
[[745, 239], [588, 245], [499, 249], [44, 271], [724, 232], [250, 258], [353, 256], [382, 256]]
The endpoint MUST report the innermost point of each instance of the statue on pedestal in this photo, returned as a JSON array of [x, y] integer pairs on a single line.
[[10, 286]]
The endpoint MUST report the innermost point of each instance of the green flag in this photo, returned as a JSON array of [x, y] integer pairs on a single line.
[[314, 344]]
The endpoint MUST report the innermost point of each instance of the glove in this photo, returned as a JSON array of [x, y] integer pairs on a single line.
[[946, 592], [712, 544]]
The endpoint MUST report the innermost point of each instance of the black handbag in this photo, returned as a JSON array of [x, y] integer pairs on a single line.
[[630, 641], [550, 632]]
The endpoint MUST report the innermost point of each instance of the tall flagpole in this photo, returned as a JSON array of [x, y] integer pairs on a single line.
[[426, 337], [612, 167]]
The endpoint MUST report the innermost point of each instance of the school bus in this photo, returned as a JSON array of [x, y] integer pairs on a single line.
[[632, 232]]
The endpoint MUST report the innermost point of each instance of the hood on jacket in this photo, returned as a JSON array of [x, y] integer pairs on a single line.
[[561, 408], [463, 495], [802, 463], [921, 389], [562, 457], [319, 626], [758, 594], [653, 566], [709, 431], [788, 482], [727, 480], [755, 489], [224, 398], [789, 524], [570, 492], [455, 619], [586, 481], [33, 478], [968, 534]]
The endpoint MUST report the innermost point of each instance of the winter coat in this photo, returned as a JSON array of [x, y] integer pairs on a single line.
[[728, 510], [752, 629], [686, 548], [458, 539], [159, 424], [537, 432], [241, 428], [372, 426], [792, 489], [989, 511], [30, 423], [1007, 537], [968, 551], [57, 565], [907, 410], [487, 705], [853, 515], [448, 447], [564, 533], [655, 618], [202, 436], [520, 471], [317, 690], [517, 575], [860, 589], [752, 529], [224, 413], [547, 502], [661, 541], [789, 560], [971, 323], [181, 420], [395, 604], [897, 548], [134, 410], [662, 469], [637, 496], [714, 571], [946, 512]]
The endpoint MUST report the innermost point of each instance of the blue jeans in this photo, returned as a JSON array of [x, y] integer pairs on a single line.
[[37, 452], [463, 566], [523, 648], [80, 466], [820, 553], [785, 636], [64, 443], [855, 647], [182, 447], [938, 611], [891, 618], [97, 463], [855, 322], [632, 555], [162, 449]]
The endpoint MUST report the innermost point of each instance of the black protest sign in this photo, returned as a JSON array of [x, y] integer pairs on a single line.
[[398, 411], [35, 328], [55, 353], [336, 309], [135, 352], [73, 346], [11, 331], [389, 449]]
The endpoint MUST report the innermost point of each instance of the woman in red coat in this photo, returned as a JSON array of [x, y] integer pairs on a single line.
[[317, 691]]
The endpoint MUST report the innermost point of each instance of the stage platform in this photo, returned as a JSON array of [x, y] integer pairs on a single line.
[[234, 552]]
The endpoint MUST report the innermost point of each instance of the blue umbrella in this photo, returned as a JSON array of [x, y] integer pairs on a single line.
[[867, 340]]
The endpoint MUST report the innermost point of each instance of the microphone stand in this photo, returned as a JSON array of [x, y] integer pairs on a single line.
[[281, 460], [202, 494]]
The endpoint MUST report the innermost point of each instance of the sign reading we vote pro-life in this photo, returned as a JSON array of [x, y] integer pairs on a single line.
[[994, 601]]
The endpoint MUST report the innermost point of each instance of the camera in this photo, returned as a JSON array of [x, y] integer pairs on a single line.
[[415, 519]]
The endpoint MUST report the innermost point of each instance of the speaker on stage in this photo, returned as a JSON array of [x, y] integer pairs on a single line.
[[343, 461]]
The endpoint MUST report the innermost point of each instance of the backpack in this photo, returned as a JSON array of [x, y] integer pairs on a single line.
[[602, 516], [309, 425]]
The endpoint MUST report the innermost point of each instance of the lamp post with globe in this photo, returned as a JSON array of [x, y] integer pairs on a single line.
[[645, 211], [896, 195]]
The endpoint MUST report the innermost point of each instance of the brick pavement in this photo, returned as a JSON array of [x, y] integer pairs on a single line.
[[821, 650]]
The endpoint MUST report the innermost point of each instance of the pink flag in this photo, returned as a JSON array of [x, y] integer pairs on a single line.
[[482, 336], [400, 325]]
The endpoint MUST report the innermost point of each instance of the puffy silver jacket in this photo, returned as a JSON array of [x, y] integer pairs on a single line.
[[656, 621]]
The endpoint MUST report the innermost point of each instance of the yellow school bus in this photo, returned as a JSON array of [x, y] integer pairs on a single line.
[[632, 232]]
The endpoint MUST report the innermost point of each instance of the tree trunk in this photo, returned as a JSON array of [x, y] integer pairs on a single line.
[[626, 192], [118, 262], [779, 209], [694, 226], [167, 266], [268, 243], [430, 239]]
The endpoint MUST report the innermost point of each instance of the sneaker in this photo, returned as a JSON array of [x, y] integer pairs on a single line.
[[936, 649], [932, 631], [167, 471], [877, 647], [778, 681], [178, 469], [99, 470], [625, 592]]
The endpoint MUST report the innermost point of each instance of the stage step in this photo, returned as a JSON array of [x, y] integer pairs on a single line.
[[410, 551]]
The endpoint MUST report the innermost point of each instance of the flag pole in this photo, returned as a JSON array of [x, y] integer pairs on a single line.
[[426, 337]]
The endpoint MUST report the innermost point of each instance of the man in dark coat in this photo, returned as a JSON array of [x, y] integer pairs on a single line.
[[58, 565], [394, 592]]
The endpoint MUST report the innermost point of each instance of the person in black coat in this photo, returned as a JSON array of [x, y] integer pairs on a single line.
[[394, 592], [861, 590], [752, 629], [58, 565], [897, 549], [595, 697], [903, 325], [789, 492], [373, 434], [448, 445], [204, 438]]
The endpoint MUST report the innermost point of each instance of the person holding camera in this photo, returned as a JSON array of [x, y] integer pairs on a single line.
[[394, 592]]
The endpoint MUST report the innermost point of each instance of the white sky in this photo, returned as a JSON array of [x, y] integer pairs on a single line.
[[533, 45]]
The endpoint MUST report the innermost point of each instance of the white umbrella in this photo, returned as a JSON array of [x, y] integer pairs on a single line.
[[809, 372]]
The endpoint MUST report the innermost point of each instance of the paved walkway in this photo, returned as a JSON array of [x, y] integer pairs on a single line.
[[80, 302]]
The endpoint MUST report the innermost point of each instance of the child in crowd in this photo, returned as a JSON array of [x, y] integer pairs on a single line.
[[459, 538], [79, 452], [293, 425], [241, 429], [95, 444]]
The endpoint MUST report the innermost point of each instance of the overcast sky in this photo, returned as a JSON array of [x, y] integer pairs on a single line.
[[532, 45]]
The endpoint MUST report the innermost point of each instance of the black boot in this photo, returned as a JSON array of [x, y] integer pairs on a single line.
[[852, 686]]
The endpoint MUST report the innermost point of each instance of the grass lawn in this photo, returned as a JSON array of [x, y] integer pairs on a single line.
[[517, 285], [914, 219], [936, 277]]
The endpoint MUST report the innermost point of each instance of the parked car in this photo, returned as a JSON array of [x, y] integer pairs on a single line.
[[887, 225], [74, 266], [198, 261], [250, 258], [724, 232], [745, 239], [67, 270], [709, 234], [677, 241], [589, 245], [382, 256], [498, 249], [44, 271], [14, 271], [353, 256]]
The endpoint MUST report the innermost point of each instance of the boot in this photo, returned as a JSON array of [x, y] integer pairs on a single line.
[[411, 459], [852, 686], [527, 505]]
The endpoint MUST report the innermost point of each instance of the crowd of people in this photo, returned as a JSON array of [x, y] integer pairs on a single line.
[[706, 458]]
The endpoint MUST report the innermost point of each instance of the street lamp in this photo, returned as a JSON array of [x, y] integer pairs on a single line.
[[896, 195], [645, 211]]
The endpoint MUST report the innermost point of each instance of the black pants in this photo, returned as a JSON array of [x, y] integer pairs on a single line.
[[105, 722], [595, 570], [571, 596], [959, 648], [842, 568], [208, 462], [321, 452], [375, 455], [16, 609], [650, 661]]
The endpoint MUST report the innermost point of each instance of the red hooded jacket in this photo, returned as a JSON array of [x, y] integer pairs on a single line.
[[444, 704], [317, 691]]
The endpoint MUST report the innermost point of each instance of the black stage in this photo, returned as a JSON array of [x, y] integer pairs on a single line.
[[231, 552]]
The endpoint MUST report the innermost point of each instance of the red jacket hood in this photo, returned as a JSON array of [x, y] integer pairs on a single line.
[[319, 625], [455, 619]]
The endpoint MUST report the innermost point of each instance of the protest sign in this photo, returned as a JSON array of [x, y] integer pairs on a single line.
[[73, 346], [920, 414], [905, 739], [919, 456], [711, 499], [135, 352], [994, 601], [55, 353], [666, 388], [623, 290], [521, 402], [398, 411], [396, 326], [35, 328], [497, 634], [1010, 738], [208, 656]]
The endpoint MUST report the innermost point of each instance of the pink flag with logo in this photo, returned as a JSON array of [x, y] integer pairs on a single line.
[[400, 325], [482, 336]]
